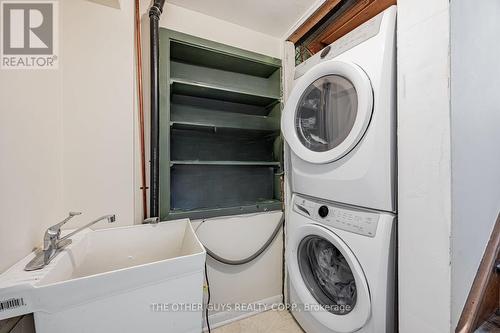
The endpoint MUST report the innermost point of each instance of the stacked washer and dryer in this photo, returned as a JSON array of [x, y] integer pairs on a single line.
[[340, 125]]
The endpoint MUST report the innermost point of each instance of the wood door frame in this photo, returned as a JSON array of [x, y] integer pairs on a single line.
[[355, 15]]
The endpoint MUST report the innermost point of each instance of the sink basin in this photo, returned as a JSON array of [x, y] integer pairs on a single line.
[[127, 279]]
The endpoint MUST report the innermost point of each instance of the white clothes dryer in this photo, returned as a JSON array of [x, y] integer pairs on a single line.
[[340, 119]]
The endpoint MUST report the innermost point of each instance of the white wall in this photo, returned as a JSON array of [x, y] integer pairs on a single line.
[[67, 134], [236, 238], [475, 116], [99, 113], [30, 162], [30, 159], [424, 166], [201, 25]]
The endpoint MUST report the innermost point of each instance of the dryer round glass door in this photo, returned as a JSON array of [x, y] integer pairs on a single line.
[[328, 111], [328, 279]]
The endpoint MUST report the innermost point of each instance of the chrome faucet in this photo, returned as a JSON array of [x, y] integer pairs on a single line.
[[53, 243]]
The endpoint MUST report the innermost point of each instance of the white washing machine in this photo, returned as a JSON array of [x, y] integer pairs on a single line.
[[341, 264], [340, 119]]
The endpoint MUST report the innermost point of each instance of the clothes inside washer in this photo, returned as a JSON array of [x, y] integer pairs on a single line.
[[332, 272]]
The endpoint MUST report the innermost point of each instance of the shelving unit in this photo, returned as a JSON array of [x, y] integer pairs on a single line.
[[220, 144]]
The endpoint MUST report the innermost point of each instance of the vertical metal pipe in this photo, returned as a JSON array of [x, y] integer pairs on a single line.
[[138, 48], [154, 18]]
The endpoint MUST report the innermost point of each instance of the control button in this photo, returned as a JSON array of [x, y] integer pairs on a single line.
[[323, 211]]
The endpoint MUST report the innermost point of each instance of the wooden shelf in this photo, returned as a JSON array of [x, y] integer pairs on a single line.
[[219, 92], [227, 80], [203, 54], [224, 106], [264, 206], [228, 163], [196, 117]]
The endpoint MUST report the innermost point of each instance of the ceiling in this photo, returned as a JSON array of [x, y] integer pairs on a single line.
[[271, 17]]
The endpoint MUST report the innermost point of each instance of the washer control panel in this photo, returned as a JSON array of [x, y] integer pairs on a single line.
[[352, 220]]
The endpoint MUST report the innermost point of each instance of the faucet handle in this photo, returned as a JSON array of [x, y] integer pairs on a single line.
[[57, 227], [52, 234]]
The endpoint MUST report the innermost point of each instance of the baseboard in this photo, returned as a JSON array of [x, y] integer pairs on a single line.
[[226, 317]]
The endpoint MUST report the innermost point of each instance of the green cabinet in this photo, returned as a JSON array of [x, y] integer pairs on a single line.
[[220, 143]]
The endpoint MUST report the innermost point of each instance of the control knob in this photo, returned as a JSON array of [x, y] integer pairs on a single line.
[[323, 211]]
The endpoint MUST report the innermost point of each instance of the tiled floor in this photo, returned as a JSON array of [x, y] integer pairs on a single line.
[[265, 322]]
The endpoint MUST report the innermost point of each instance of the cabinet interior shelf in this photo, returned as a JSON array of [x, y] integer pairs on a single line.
[[193, 117], [212, 91], [204, 54], [215, 128], [228, 163], [268, 205]]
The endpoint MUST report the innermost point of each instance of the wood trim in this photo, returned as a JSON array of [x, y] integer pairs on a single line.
[[483, 296], [371, 10], [355, 15], [318, 44], [317, 16], [489, 304]]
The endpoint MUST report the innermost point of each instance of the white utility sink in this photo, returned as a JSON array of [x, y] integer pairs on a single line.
[[144, 278]]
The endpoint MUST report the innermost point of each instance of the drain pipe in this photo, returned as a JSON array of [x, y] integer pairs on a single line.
[[154, 18]]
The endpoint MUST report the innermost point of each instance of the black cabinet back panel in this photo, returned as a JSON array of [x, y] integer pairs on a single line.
[[217, 105], [195, 186], [189, 145]]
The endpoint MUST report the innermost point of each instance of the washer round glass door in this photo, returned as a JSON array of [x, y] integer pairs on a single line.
[[328, 111], [327, 274], [328, 278]]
